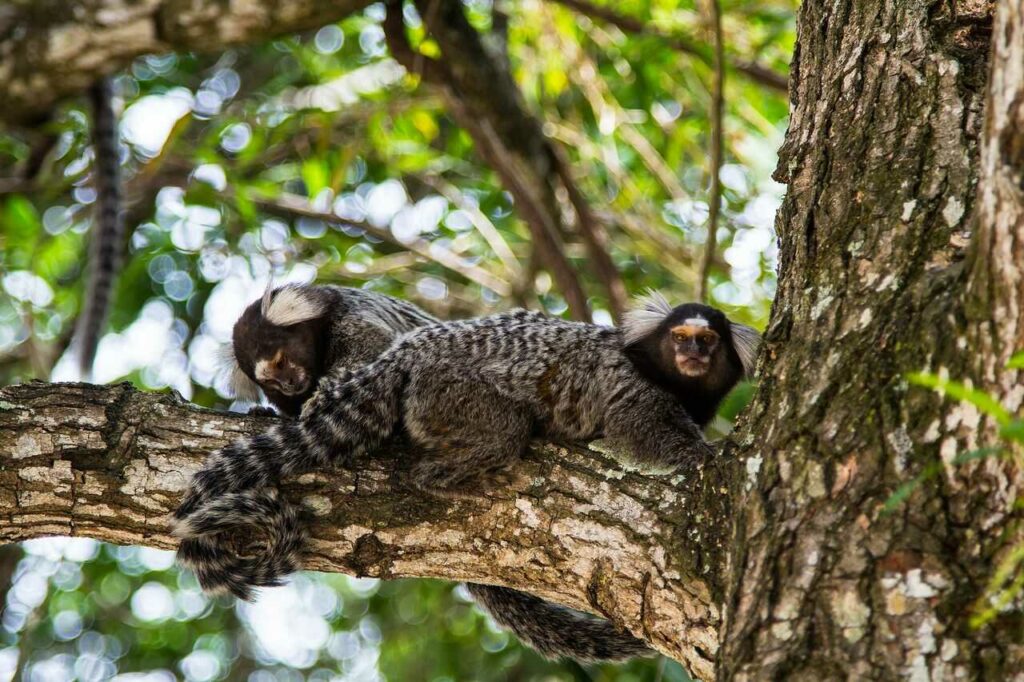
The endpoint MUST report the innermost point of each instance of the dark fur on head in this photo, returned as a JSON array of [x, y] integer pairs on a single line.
[[280, 345], [692, 350], [287, 340]]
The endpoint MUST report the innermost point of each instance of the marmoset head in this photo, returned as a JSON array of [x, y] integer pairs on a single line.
[[693, 350], [278, 346]]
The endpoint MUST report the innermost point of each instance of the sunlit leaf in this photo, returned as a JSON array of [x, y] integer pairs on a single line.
[[20, 223], [1014, 430], [962, 392], [315, 175]]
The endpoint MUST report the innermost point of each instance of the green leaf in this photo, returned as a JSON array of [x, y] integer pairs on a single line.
[[1017, 361], [19, 228], [959, 391], [316, 176], [1014, 430], [998, 593]]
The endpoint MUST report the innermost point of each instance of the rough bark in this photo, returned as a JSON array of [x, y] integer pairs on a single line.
[[52, 49], [112, 462], [881, 160]]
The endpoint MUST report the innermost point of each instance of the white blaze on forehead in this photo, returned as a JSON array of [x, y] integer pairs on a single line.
[[290, 305], [695, 322]]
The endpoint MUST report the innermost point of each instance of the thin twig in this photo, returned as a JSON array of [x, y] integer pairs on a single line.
[[595, 237], [298, 206], [480, 221], [466, 92], [641, 226], [603, 100], [756, 72], [486, 87], [717, 115]]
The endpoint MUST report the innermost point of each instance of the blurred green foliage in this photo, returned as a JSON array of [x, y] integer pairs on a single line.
[[248, 163]]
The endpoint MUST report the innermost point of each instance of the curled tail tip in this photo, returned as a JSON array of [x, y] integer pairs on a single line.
[[218, 572], [209, 551]]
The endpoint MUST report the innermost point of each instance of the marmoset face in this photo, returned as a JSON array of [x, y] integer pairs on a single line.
[[282, 359], [280, 373], [693, 345]]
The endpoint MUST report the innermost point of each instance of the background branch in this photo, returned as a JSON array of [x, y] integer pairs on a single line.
[[752, 70], [513, 171], [485, 100], [290, 206], [717, 116], [45, 58]]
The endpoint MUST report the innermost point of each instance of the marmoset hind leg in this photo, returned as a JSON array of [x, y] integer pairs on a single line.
[[471, 432]]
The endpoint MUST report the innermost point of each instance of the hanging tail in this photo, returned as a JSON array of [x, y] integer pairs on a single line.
[[106, 243], [554, 630]]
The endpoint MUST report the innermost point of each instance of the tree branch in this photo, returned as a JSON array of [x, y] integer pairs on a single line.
[[752, 70], [547, 241], [111, 462], [44, 57], [717, 116], [480, 221], [291, 205], [485, 100]]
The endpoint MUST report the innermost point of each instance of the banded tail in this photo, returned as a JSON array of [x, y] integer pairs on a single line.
[[349, 414], [106, 243], [554, 630]]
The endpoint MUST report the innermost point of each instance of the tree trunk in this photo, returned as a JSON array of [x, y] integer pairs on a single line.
[[877, 280]]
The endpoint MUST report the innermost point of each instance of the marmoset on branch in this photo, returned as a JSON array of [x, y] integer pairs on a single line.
[[471, 395]]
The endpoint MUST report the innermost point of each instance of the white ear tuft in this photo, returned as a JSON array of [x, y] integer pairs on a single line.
[[268, 295], [239, 384], [291, 305], [746, 341], [650, 311]]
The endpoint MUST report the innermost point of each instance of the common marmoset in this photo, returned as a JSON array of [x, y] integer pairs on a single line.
[[471, 395]]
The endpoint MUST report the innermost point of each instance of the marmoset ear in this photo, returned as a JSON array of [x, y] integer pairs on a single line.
[[746, 340], [239, 384], [649, 311]]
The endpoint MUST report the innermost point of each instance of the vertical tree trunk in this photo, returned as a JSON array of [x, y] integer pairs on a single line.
[[878, 279]]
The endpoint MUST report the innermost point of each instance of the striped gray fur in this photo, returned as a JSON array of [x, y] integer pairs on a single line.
[[554, 630], [320, 327]]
